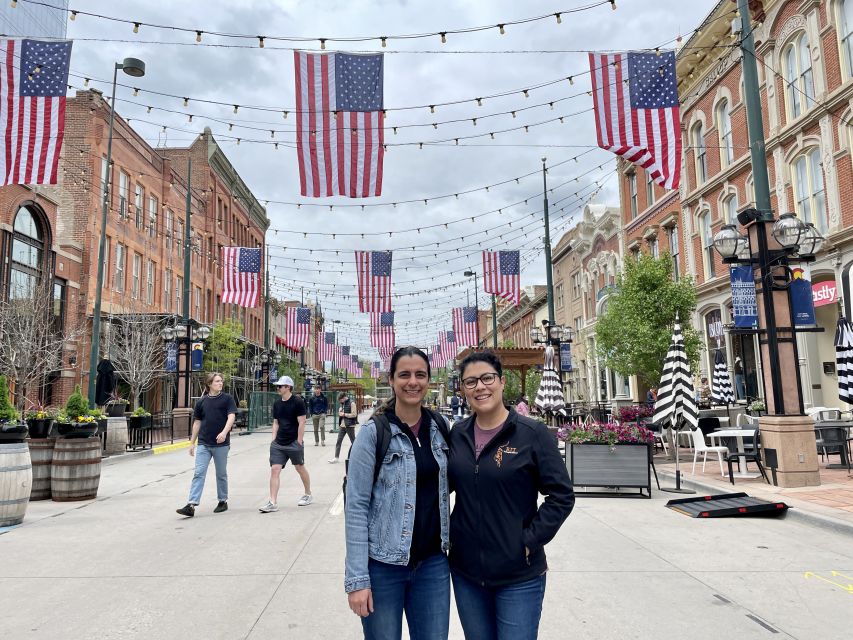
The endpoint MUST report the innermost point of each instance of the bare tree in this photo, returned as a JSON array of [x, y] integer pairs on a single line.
[[136, 349], [32, 340]]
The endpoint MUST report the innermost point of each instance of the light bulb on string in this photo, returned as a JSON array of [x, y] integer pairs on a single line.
[[559, 19], [135, 27], [501, 28], [261, 41], [443, 35], [198, 36], [322, 43], [73, 15]]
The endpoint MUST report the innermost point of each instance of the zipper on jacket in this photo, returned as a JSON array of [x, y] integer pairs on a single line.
[[479, 516]]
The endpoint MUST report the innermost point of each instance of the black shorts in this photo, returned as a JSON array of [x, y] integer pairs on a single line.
[[280, 454]]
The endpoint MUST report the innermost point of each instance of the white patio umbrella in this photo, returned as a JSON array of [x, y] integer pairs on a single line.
[[676, 405], [721, 383], [844, 359], [549, 397]]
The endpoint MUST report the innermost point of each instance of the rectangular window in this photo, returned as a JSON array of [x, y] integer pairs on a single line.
[[153, 205], [149, 283], [632, 193], [197, 303], [179, 237], [120, 264], [701, 155], [136, 274], [650, 190], [107, 263], [139, 206], [845, 32], [674, 251], [169, 231], [730, 210], [708, 245], [123, 194], [653, 248], [103, 174], [167, 290], [179, 289], [559, 296]]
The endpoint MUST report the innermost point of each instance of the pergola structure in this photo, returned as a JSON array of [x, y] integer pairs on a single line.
[[515, 359]]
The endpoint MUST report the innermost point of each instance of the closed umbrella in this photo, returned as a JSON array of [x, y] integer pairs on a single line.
[[844, 359], [675, 405], [721, 383], [550, 395]]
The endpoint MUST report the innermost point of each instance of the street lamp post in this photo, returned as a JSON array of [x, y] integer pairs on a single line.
[[184, 335], [549, 277], [556, 335], [135, 68]]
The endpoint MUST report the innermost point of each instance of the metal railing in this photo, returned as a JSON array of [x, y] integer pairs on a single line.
[[260, 410]]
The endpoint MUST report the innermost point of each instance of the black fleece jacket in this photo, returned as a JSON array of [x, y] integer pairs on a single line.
[[496, 514]]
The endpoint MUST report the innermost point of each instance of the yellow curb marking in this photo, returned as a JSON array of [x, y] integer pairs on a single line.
[[166, 448], [844, 587]]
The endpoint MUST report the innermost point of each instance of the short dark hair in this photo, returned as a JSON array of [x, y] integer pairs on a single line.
[[487, 355], [402, 352]]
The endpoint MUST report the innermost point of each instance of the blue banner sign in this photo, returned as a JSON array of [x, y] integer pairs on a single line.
[[744, 305], [802, 301], [565, 356], [197, 355], [171, 356]]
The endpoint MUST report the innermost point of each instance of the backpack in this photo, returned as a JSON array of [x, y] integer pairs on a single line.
[[383, 441]]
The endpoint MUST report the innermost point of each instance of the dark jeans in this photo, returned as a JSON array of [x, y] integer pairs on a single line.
[[500, 613], [422, 591], [342, 432]]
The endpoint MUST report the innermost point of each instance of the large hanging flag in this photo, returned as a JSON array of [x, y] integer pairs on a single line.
[[342, 357], [375, 368], [382, 330], [465, 326], [241, 276], [447, 341], [502, 274], [339, 124], [374, 280], [326, 342], [298, 324], [635, 96], [355, 367], [439, 357], [33, 81]]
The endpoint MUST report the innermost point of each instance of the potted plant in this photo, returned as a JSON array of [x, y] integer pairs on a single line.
[[633, 413], [609, 455], [77, 422], [40, 420], [757, 407], [16, 474], [138, 428], [116, 406], [11, 429], [100, 417]]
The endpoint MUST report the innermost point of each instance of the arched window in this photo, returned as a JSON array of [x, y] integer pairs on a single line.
[[809, 192], [698, 140], [799, 83], [724, 128], [707, 239], [845, 34], [27, 254], [729, 213]]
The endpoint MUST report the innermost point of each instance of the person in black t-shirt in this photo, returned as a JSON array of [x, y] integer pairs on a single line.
[[213, 418], [347, 419], [288, 431]]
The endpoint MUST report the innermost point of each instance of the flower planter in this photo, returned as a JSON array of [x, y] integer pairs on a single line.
[[622, 466], [139, 432], [76, 429], [41, 455], [75, 471], [116, 409], [12, 432], [16, 477], [40, 427]]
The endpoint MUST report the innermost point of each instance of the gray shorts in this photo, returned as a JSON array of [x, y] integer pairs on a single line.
[[281, 454]]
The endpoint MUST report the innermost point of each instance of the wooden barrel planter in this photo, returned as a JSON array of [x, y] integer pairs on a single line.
[[41, 454], [76, 469], [16, 476]]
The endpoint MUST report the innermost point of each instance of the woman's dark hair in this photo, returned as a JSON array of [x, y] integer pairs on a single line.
[[487, 355], [402, 352]]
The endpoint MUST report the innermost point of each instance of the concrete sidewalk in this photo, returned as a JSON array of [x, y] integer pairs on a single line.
[[126, 566]]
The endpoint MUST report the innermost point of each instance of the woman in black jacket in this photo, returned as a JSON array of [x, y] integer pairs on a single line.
[[499, 464]]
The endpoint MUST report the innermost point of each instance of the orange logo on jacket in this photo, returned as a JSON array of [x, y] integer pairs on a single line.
[[504, 449]]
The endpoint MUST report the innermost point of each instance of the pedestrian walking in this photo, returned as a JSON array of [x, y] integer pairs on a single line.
[[500, 462], [288, 432], [456, 405], [317, 407], [213, 417], [347, 419], [397, 512]]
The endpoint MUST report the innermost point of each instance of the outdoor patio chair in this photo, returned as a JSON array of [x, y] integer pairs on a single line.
[[708, 425], [832, 440], [744, 420], [658, 433], [699, 446], [749, 454]]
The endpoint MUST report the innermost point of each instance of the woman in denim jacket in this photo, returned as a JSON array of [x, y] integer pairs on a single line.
[[397, 528]]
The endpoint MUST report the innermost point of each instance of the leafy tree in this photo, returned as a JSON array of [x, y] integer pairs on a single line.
[[512, 390], [634, 333], [291, 368], [137, 351], [7, 411], [223, 349]]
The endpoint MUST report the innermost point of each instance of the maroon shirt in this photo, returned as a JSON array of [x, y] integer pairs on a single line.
[[482, 437]]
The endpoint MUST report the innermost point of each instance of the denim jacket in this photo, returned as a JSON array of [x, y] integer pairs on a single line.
[[379, 517]]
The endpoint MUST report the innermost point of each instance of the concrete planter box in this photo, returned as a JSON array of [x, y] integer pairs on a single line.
[[624, 466]]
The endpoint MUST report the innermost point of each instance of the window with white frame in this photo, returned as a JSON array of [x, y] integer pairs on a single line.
[[136, 275], [654, 251], [169, 230], [674, 251], [103, 174], [139, 206], [707, 239], [809, 192], [632, 193], [167, 290], [576, 286], [149, 283], [799, 82], [559, 296], [153, 205], [701, 158], [650, 190], [179, 237], [197, 303], [724, 128], [730, 209], [845, 33], [119, 271], [750, 189], [106, 282], [179, 289], [123, 193]]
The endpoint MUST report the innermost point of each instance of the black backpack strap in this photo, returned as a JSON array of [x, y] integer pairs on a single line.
[[383, 441], [441, 422]]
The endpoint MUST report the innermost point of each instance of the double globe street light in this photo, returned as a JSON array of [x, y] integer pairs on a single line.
[[184, 335]]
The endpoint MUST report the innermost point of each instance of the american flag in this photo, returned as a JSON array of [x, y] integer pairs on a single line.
[[326, 340], [502, 277], [339, 124], [355, 367], [298, 327], [343, 359], [374, 280], [438, 357], [447, 342], [465, 326], [32, 109], [385, 353], [639, 120], [375, 369], [241, 276], [382, 330]]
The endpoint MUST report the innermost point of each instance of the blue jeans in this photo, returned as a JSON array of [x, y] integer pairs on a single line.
[[499, 613], [423, 592], [203, 454]]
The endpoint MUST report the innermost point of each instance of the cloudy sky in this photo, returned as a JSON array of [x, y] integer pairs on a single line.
[[428, 281]]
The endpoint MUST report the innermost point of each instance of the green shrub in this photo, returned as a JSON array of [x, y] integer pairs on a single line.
[[76, 405], [8, 413], [140, 411]]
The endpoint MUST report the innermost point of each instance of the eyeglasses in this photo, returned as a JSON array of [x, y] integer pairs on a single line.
[[487, 379]]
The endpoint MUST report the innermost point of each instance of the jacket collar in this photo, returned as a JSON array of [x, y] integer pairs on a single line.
[[467, 426]]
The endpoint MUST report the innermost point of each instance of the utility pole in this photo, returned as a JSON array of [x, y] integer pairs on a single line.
[[187, 240], [548, 275]]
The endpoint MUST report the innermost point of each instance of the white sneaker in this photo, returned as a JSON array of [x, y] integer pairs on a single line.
[[269, 507], [332, 460], [305, 500]]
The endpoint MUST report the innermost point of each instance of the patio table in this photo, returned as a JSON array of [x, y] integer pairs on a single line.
[[739, 435]]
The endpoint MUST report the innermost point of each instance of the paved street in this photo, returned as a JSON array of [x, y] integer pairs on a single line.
[[126, 566]]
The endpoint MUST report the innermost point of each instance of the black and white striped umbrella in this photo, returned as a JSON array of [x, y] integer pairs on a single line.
[[844, 359], [675, 405], [721, 383], [550, 394]]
